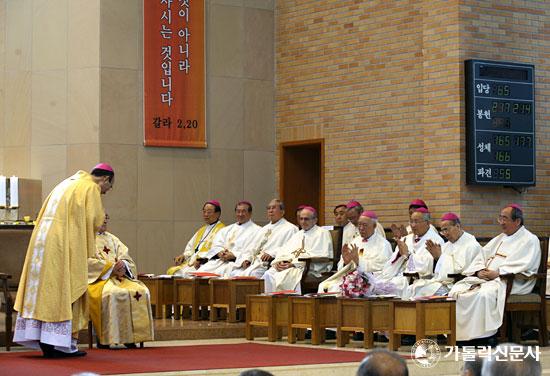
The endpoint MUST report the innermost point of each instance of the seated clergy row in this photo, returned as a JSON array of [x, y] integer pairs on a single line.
[[246, 249], [368, 266]]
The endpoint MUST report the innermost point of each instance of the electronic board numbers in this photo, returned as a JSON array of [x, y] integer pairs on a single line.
[[500, 123]]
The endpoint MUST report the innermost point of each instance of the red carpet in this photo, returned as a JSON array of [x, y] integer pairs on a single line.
[[180, 358]]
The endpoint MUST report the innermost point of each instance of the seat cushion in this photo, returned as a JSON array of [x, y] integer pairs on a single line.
[[527, 298]]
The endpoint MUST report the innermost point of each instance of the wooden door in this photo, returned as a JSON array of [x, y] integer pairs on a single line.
[[302, 177]]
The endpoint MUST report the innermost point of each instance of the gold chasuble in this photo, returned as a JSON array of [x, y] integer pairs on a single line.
[[51, 300], [120, 308]]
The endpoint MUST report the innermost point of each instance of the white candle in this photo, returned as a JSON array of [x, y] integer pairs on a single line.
[[2, 191], [14, 192]]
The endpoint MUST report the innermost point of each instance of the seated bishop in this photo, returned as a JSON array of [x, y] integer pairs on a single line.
[[230, 242], [311, 241], [367, 253], [340, 216], [411, 255], [263, 247], [119, 304], [353, 212], [199, 245], [455, 256], [416, 204], [480, 298]]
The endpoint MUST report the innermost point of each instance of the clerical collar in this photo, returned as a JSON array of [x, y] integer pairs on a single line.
[[416, 238], [368, 238], [309, 229], [244, 223], [213, 223], [274, 223], [458, 237], [517, 231]]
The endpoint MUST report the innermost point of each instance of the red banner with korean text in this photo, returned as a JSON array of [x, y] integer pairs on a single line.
[[174, 73]]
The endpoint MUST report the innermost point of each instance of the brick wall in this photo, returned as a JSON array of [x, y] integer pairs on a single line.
[[382, 82]]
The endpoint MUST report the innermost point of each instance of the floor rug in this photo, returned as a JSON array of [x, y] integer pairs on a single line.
[[175, 358]]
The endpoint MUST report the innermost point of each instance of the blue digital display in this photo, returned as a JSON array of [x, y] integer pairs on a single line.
[[500, 123]]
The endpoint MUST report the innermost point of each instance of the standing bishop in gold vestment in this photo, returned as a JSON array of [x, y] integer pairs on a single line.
[[51, 299], [120, 305]]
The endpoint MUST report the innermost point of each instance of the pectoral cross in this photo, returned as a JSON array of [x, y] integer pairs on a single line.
[[231, 240], [300, 250], [264, 240], [491, 259]]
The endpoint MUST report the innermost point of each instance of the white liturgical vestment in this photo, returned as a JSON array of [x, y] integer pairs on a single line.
[[315, 242], [234, 238], [351, 232], [374, 252], [455, 258], [480, 303], [419, 261], [267, 240]]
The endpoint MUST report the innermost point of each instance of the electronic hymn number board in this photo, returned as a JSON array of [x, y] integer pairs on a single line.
[[500, 123]]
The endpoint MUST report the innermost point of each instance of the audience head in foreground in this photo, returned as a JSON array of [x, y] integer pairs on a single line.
[[382, 362], [473, 367], [504, 362], [255, 372]]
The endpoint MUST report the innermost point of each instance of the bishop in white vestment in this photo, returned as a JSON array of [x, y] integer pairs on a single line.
[[353, 212], [453, 257], [311, 241], [201, 242], [411, 255], [230, 242], [263, 247], [480, 298], [368, 253]]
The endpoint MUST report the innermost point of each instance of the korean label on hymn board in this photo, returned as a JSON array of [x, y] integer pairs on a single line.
[[174, 73], [500, 123]]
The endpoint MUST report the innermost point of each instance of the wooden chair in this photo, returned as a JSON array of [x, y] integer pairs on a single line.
[[311, 284], [193, 293], [8, 308], [230, 295], [422, 319], [317, 313], [269, 311], [162, 294], [533, 302]]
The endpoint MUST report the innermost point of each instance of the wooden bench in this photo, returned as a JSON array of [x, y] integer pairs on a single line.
[[269, 311], [193, 293], [230, 294], [162, 294], [361, 315], [422, 318], [317, 313]]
